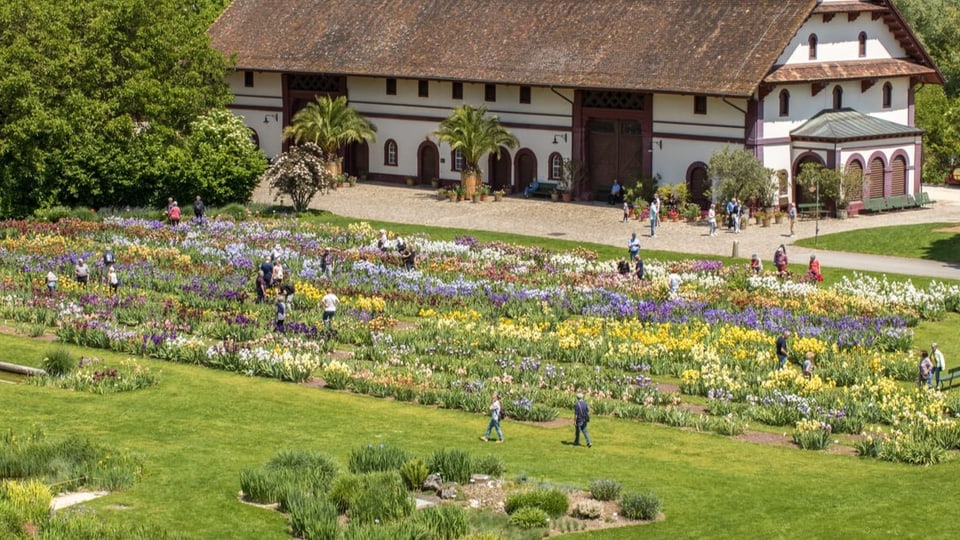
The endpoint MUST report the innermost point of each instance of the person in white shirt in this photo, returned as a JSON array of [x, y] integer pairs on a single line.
[[330, 303], [51, 281], [938, 363]]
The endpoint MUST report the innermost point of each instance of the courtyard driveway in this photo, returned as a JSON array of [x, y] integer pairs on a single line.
[[600, 223]]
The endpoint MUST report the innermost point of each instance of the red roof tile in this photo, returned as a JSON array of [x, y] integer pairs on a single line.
[[853, 69], [719, 47]]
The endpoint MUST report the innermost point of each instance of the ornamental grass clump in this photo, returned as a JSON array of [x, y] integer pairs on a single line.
[[313, 518], [370, 458], [59, 362], [490, 464], [605, 489], [384, 498], [529, 517], [290, 471], [552, 501], [642, 507], [444, 521], [414, 472], [453, 464]]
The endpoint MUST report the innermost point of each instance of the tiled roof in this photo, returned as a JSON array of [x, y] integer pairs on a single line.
[[854, 6], [839, 125], [718, 47], [852, 69]]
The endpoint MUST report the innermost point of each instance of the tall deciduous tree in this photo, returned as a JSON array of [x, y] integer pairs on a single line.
[[739, 174], [94, 95]]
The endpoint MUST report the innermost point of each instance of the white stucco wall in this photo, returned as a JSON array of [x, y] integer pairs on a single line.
[[676, 124], [837, 40], [257, 105]]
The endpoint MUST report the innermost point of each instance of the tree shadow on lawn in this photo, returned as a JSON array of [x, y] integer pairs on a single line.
[[945, 249]]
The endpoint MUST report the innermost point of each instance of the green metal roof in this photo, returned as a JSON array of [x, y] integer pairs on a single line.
[[837, 125]]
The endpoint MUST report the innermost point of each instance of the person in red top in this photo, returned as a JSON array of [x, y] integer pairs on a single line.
[[175, 214], [814, 269]]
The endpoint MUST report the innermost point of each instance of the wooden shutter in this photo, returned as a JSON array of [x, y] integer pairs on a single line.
[[876, 178], [854, 167], [898, 176]]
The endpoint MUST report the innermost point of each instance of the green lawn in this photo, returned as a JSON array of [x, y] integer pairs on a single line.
[[199, 428], [920, 241]]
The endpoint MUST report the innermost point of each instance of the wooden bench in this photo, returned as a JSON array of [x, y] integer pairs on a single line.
[[923, 199], [949, 376], [810, 210], [899, 202], [544, 189]]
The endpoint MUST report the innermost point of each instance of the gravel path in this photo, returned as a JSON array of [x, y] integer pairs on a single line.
[[600, 223]]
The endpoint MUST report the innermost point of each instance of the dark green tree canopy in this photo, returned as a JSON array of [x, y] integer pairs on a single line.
[[94, 95]]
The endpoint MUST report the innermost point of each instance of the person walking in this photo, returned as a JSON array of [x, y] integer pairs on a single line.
[[626, 212], [730, 205], [81, 272], [926, 370], [330, 303], [281, 313], [633, 247], [654, 215], [737, 213], [581, 413], [261, 287], [174, 214], [495, 410], [792, 216], [638, 269], [276, 275], [781, 348], [199, 209], [113, 279], [808, 367], [52, 281], [712, 219], [938, 363], [813, 270], [326, 264]]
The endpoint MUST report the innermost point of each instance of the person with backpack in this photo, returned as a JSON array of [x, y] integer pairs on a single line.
[[581, 413], [495, 415]]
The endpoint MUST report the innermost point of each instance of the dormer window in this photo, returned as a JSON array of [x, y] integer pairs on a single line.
[[862, 39], [812, 44]]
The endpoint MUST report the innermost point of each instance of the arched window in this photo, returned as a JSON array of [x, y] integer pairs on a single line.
[[837, 97], [556, 166], [812, 44], [887, 95], [784, 103], [862, 39], [390, 153], [254, 137]]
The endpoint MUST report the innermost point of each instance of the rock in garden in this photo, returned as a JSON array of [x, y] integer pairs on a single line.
[[433, 482], [449, 493]]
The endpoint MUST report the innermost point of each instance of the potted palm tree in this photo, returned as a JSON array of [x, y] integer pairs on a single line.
[[475, 134], [330, 124]]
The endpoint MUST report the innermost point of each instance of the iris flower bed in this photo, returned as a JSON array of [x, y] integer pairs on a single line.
[[474, 318]]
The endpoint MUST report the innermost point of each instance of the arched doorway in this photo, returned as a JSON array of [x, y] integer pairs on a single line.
[[357, 159], [698, 184], [526, 169], [428, 162], [876, 178], [499, 170], [898, 176], [800, 193]]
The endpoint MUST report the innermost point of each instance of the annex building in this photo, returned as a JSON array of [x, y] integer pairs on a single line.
[[630, 88]]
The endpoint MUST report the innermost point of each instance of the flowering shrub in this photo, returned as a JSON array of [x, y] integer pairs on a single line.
[[95, 377], [812, 434]]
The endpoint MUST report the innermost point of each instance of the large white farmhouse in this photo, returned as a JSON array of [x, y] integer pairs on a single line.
[[629, 87]]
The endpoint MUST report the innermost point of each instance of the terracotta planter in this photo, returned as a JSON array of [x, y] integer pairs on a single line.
[[567, 196], [497, 197], [469, 181]]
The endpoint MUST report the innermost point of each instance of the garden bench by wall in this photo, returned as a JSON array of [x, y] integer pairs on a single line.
[[545, 189]]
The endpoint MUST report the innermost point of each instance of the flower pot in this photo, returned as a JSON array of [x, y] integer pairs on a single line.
[[410, 181], [766, 222], [469, 181], [778, 219], [475, 197], [452, 196], [842, 213], [567, 196], [554, 196], [497, 197], [483, 197]]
